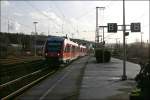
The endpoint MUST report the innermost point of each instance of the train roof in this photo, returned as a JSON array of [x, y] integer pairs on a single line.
[[70, 42], [55, 38], [81, 46]]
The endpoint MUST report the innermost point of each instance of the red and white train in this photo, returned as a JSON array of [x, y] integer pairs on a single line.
[[59, 50]]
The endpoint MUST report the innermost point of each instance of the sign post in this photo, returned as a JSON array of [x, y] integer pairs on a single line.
[[113, 28], [124, 76]]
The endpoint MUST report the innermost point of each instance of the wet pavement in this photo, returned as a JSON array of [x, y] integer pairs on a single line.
[[86, 81], [103, 81], [63, 85]]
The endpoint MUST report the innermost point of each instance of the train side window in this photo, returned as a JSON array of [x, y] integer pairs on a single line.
[[67, 48], [78, 49], [81, 49], [73, 48]]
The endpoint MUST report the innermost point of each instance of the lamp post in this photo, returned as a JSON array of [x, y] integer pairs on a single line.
[[35, 38]]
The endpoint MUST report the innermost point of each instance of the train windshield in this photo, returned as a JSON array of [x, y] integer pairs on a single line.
[[54, 46]]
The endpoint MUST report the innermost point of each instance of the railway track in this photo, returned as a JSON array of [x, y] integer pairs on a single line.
[[16, 86], [7, 73], [10, 68], [14, 61], [63, 85], [11, 88]]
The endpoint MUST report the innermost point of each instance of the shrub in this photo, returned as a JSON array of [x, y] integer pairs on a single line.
[[107, 56], [143, 81], [102, 55]]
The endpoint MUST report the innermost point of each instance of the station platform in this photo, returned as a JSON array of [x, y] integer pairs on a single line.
[[102, 81]]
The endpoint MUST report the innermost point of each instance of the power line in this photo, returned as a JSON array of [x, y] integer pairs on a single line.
[[91, 11], [139, 17], [42, 13], [60, 11], [109, 4], [22, 10], [65, 18], [13, 20], [85, 14]]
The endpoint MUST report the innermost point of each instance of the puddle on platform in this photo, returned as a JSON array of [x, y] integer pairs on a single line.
[[114, 79]]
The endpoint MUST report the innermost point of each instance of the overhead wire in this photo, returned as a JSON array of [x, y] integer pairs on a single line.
[[23, 10], [139, 17], [39, 11], [20, 9], [64, 17], [91, 11], [14, 20]]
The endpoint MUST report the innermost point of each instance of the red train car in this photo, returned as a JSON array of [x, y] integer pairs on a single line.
[[61, 50], [83, 50]]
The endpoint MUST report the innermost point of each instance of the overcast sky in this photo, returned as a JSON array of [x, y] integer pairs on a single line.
[[75, 18]]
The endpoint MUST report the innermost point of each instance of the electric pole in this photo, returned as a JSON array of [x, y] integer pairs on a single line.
[[117, 45], [97, 32], [149, 34], [103, 36], [124, 77], [97, 27], [141, 40], [62, 29], [48, 29], [8, 26], [35, 39]]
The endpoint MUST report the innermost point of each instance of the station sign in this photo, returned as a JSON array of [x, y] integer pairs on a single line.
[[135, 27], [112, 27]]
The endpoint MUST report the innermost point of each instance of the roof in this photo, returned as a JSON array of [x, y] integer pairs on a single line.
[[81, 46], [55, 38], [66, 40]]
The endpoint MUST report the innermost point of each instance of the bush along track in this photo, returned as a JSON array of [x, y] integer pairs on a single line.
[[102, 55], [143, 84]]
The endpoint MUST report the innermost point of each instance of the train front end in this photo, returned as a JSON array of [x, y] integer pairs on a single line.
[[54, 51]]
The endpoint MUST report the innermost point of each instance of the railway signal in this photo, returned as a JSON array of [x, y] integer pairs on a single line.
[[112, 27], [135, 27]]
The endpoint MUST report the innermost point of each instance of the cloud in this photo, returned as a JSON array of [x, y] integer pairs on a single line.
[[74, 21], [14, 26], [45, 15], [53, 16], [18, 14], [17, 26], [36, 15], [5, 3]]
